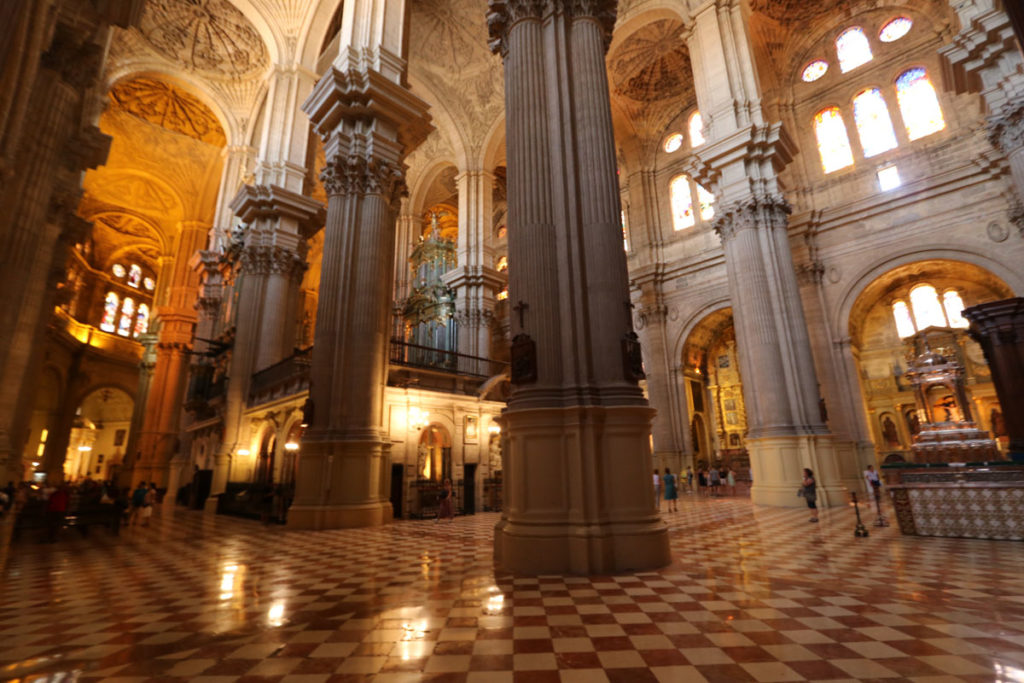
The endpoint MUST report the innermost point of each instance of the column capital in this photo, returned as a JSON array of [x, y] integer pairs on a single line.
[[1006, 127], [502, 15], [357, 174], [768, 211], [267, 260]]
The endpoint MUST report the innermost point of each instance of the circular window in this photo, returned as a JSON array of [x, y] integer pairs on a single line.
[[119, 270], [895, 29], [502, 265], [149, 284], [814, 70], [673, 142], [502, 232]]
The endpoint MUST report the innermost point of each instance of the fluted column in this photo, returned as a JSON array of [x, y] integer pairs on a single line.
[[368, 122], [474, 278], [662, 388], [578, 496]]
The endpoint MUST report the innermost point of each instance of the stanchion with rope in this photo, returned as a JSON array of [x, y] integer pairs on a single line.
[[861, 531], [881, 520]]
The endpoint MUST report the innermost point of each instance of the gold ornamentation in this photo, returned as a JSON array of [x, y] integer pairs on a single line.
[[170, 107]]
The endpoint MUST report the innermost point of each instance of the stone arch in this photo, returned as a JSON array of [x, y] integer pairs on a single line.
[[314, 30], [493, 149], [98, 442], [693, 321], [1013, 279]]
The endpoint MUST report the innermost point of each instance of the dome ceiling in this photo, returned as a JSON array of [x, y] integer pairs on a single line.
[[653, 63], [208, 37], [169, 107]]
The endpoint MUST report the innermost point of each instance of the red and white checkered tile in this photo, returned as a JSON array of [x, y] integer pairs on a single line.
[[754, 594]]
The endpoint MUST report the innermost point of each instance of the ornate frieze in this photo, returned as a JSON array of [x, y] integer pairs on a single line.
[[767, 212], [266, 260], [502, 15]]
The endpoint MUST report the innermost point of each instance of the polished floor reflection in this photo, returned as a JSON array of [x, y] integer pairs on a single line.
[[754, 594]]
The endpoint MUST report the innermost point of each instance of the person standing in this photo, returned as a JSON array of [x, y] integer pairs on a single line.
[[668, 482], [138, 502], [56, 511], [689, 479], [873, 482], [702, 482], [657, 490], [446, 506], [714, 482], [810, 493], [148, 503], [730, 479]]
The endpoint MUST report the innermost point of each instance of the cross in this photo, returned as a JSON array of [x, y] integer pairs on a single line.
[[520, 308]]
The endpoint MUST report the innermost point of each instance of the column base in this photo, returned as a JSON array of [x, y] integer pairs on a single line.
[[579, 498], [778, 463], [341, 485]]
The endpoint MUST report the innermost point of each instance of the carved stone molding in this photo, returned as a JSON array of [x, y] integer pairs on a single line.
[[811, 273], [264, 260], [357, 175], [502, 15], [1006, 127], [767, 212], [650, 314], [474, 319], [77, 62]]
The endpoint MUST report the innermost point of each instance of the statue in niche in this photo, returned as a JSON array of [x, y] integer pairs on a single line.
[[913, 422], [889, 433]]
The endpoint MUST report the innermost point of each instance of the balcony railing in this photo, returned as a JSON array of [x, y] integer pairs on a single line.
[[292, 370], [416, 356]]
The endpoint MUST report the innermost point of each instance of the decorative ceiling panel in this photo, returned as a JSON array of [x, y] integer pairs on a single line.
[[170, 107]]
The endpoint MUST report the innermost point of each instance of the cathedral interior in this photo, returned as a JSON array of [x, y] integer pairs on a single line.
[[304, 261]]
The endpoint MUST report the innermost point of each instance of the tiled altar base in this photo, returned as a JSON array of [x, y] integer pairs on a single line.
[[754, 594]]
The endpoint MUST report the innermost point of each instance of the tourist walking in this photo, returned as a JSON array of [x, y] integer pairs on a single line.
[[730, 479], [702, 482], [810, 493], [657, 490], [714, 482], [149, 502], [873, 482], [138, 502], [446, 506], [668, 482], [689, 479]]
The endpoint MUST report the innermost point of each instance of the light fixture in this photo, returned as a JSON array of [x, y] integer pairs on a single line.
[[418, 419], [291, 446], [84, 449], [494, 428], [243, 451]]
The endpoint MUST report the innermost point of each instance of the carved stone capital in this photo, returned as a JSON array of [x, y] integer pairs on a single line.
[[358, 175], [502, 15], [1006, 127], [811, 273], [267, 260], [255, 202], [765, 212]]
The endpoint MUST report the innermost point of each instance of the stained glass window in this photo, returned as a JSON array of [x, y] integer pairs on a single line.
[[118, 270], [149, 284], [502, 264], [904, 324], [124, 327], [502, 232], [673, 142], [853, 49], [889, 178], [895, 29], [833, 142], [110, 308], [918, 104], [625, 233], [873, 123], [954, 306], [696, 129], [927, 309], [682, 203], [814, 70], [141, 321], [134, 275], [502, 295], [707, 204]]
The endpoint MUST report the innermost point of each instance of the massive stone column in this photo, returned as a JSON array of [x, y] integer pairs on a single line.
[[578, 468], [474, 278], [368, 122], [786, 429], [663, 388], [998, 327]]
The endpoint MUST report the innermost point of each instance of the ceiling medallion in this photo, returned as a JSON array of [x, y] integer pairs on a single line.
[[653, 63], [204, 36]]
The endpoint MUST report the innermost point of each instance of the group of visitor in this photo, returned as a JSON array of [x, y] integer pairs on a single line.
[[710, 483]]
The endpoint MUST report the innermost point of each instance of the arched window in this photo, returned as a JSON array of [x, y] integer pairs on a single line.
[[904, 323], [814, 71], [853, 49], [954, 306], [873, 123], [918, 104], [682, 203], [895, 29], [706, 200], [673, 142], [141, 321], [502, 264], [124, 327], [833, 142], [696, 129], [927, 309], [110, 307], [134, 276]]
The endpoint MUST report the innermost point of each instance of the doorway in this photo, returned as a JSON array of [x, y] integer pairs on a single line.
[[469, 490], [397, 479]]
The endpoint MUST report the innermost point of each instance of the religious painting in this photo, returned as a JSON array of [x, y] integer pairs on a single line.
[[119, 437], [723, 361], [730, 404], [889, 433], [731, 419], [471, 429]]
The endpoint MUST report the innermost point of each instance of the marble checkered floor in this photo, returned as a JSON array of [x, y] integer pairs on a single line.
[[754, 594]]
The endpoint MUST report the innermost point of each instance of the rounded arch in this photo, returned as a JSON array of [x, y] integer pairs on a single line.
[[842, 316], [150, 228], [493, 154], [193, 86], [314, 31], [424, 182], [85, 393], [442, 119], [698, 317], [643, 14]]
